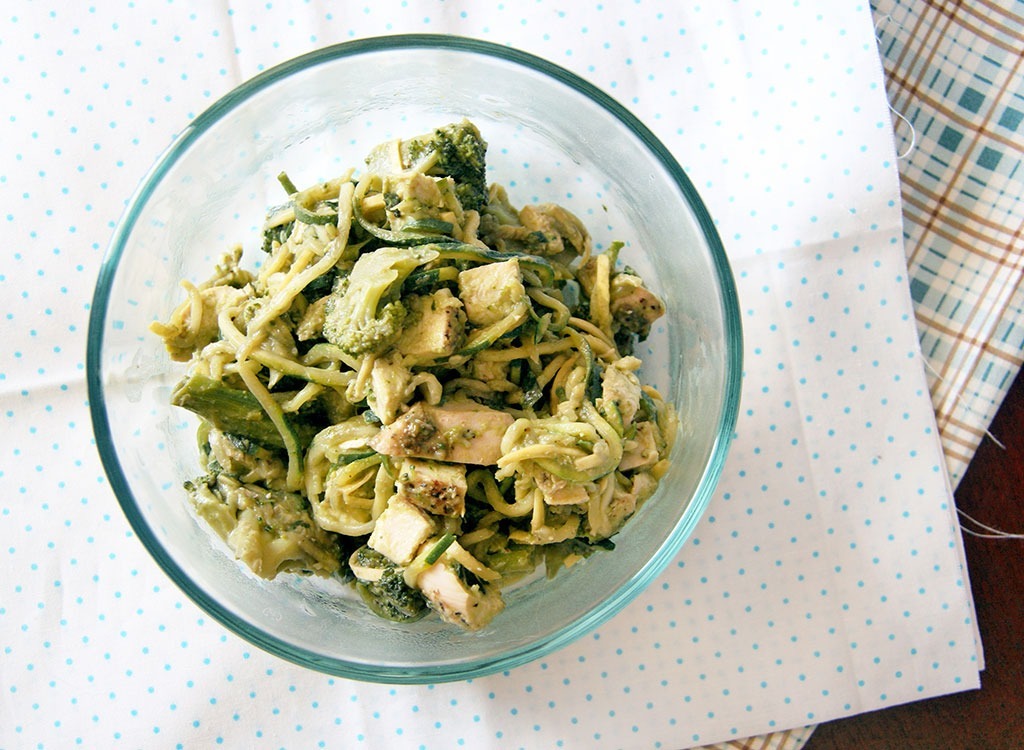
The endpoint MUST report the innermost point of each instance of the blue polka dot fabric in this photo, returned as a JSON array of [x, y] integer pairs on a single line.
[[827, 576]]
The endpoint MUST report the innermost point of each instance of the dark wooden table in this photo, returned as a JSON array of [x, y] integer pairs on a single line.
[[991, 718]]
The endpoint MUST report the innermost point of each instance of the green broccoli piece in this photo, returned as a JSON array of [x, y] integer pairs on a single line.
[[236, 411], [389, 596], [364, 314], [278, 226], [459, 152], [271, 531], [276, 235]]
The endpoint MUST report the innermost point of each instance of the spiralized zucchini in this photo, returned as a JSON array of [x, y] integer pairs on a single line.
[[445, 397]]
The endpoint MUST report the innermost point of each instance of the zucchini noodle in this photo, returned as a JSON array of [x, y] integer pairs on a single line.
[[276, 414], [600, 296], [494, 497], [556, 305], [309, 392], [195, 306], [299, 278], [277, 362], [549, 371], [527, 351], [424, 388]]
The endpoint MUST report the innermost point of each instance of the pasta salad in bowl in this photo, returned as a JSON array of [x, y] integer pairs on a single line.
[[423, 389], [407, 376]]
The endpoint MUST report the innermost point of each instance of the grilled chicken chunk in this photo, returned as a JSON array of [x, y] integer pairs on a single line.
[[463, 432]]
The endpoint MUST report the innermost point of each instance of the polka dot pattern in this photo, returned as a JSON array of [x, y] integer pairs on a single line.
[[825, 579]]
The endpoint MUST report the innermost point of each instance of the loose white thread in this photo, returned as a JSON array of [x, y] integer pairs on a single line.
[[913, 133], [883, 21], [994, 533], [961, 401]]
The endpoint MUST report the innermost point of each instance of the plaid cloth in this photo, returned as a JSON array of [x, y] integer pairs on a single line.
[[791, 739], [955, 76], [956, 73]]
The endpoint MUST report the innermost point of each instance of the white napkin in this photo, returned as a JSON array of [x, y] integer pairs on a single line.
[[827, 577]]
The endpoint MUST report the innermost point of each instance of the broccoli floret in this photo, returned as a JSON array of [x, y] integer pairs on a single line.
[[278, 226], [364, 314], [460, 153], [270, 531], [238, 412], [277, 235], [244, 459], [382, 587]]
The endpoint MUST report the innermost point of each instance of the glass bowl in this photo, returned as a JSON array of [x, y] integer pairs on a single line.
[[553, 138]]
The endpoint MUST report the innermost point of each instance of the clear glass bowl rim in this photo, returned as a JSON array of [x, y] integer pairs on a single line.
[[428, 674]]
